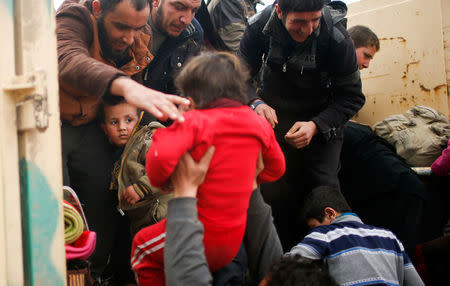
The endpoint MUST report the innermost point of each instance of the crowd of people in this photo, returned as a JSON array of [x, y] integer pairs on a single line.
[[181, 135]]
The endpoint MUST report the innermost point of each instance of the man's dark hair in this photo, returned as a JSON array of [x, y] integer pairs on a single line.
[[287, 6], [362, 36], [211, 76], [108, 101], [293, 270], [319, 199], [110, 5]]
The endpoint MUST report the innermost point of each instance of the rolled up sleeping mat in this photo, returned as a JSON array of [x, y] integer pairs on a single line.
[[83, 247], [73, 223]]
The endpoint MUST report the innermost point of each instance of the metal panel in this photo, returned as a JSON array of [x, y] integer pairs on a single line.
[[446, 34], [11, 263], [39, 141], [409, 69]]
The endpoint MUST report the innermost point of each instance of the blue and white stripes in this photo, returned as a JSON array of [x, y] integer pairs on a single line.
[[359, 254]]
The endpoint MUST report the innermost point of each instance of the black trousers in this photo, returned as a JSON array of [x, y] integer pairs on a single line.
[[87, 166], [306, 168]]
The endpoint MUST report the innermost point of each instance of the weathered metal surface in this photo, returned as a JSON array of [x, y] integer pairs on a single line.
[[11, 262], [445, 4], [39, 145], [30, 94], [409, 69]]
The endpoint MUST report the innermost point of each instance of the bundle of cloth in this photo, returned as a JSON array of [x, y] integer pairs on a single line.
[[419, 135], [80, 242]]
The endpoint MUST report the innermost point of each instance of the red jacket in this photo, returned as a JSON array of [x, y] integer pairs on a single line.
[[441, 166], [238, 134]]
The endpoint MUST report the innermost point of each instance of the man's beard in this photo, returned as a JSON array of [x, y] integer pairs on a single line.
[[157, 22], [107, 52]]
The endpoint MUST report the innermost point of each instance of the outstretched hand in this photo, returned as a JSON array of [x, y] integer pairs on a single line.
[[189, 175], [161, 105]]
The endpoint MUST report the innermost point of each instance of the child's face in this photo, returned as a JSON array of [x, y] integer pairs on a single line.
[[119, 122]]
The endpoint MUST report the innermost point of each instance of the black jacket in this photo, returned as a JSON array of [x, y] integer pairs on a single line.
[[171, 57], [315, 80]]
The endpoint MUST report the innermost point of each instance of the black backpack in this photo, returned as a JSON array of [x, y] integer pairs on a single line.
[[326, 35]]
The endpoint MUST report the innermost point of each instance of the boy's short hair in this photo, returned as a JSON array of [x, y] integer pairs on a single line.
[[287, 6], [108, 101], [319, 199], [213, 75], [362, 36], [296, 270]]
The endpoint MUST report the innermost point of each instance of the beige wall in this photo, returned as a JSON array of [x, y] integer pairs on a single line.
[[410, 68]]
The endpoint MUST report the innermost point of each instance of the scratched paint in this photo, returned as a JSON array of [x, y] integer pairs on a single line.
[[49, 6], [9, 6], [40, 219]]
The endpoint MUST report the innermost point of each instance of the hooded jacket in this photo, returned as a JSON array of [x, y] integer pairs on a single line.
[[316, 80], [130, 171]]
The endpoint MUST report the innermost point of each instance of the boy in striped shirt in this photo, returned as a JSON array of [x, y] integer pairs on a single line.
[[356, 253]]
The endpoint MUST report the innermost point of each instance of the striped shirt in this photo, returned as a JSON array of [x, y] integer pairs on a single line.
[[359, 254]]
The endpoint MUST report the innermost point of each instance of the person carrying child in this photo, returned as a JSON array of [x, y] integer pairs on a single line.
[[216, 85], [122, 124]]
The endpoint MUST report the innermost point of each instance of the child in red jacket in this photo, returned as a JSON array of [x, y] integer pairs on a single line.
[[216, 85]]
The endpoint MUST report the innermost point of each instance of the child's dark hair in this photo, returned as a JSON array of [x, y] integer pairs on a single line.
[[362, 36], [320, 198], [213, 75], [287, 6], [108, 101], [293, 270]]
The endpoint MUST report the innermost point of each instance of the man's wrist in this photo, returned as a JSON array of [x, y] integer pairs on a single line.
[[185, 192], [255, 103], [316, 130]]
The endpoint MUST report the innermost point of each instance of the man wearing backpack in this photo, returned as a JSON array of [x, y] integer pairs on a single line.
[[308, 87]]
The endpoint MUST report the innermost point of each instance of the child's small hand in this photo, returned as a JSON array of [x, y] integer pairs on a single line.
[[130, 195], [259, 168]]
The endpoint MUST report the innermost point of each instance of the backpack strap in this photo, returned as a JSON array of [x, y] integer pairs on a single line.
[[328, 31], [323, 47]]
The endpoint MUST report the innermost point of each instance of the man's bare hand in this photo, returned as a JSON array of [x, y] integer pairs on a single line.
[[189, 175], [161, 105], [130, 195], [267, 112], [301, 133]]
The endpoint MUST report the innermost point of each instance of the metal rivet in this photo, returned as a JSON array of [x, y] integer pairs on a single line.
[[179, 65]]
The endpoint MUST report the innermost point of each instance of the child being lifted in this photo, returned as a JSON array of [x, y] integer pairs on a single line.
[[216, 85]]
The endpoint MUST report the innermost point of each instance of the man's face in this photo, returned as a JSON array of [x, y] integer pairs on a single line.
[[117, 28], [120, 121], [312, 222], [173, 16], [300, 25], [364, 55]]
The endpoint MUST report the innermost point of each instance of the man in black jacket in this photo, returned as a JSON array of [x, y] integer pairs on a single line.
[[177, 36], [309, 86]]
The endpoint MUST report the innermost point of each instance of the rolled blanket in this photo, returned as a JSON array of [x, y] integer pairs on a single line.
[[83, 247], [73, 223]]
